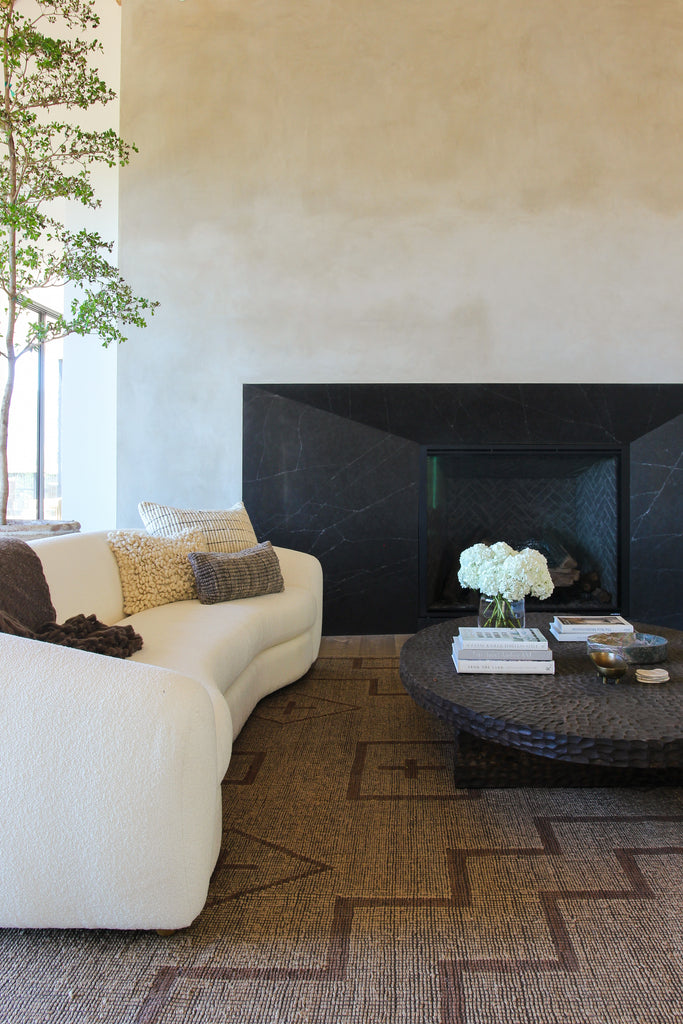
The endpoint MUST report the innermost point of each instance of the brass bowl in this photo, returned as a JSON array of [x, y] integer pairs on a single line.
[[610, 665]]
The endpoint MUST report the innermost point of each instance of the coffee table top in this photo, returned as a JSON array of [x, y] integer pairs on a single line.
[[571, 716]]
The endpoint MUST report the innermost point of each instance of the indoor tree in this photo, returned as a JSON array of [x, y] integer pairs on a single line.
[[46, 162]]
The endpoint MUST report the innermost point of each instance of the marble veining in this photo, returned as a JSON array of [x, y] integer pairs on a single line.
[[334, 468]]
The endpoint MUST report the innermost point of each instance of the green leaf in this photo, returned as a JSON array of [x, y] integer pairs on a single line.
[[47, 50]]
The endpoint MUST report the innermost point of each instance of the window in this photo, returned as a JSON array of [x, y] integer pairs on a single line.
[[35, 490]]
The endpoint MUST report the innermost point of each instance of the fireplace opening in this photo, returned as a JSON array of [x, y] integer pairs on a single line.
[[569, 502]]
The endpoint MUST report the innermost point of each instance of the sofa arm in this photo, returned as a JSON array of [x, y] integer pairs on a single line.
[[110, 808], [300, 569]]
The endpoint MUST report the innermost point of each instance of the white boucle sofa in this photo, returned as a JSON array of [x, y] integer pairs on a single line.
[[111, 769]]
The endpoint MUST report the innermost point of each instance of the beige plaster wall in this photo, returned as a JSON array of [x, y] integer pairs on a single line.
[[389, 190]]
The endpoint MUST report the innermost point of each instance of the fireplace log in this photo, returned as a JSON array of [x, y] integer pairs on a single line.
[[566, 573]]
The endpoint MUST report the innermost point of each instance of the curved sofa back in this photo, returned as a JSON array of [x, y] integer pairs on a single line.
[[82, 575]]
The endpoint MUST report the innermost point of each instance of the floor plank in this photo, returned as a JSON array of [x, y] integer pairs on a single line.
[[380, 646]]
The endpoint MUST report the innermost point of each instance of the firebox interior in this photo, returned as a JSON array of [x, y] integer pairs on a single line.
[[566, 501]]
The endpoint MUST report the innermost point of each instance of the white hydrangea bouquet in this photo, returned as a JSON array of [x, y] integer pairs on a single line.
[[504, 577]]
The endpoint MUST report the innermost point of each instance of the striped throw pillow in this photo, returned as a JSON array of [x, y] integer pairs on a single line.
[[227, 529]]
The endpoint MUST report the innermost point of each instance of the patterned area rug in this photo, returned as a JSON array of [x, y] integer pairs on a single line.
[[358, 883]]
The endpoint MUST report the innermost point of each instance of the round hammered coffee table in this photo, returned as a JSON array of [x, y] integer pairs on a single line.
[[567, 729]]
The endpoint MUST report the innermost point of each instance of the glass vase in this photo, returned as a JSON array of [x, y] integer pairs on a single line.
[[498, 613]]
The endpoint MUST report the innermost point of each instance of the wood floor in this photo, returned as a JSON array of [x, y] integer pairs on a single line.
[[386, 646]]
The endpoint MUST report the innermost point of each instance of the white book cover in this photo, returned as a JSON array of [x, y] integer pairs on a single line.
[[573, 636], [504, 653], [570, 637], [540, 668], [592, 624], [474, 636]]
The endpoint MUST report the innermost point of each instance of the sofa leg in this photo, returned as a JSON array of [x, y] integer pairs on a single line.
[[165, 932]]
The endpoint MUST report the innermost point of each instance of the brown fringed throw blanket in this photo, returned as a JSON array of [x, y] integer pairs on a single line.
[[26, 609]]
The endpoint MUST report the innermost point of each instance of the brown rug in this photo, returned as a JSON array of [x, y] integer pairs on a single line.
[[357, 883]]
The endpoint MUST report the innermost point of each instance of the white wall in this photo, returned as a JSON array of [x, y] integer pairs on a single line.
[[89, 372], [393, 191]]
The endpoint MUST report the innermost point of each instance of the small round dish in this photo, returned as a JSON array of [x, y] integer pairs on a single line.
[[634, 648], [610, 665]]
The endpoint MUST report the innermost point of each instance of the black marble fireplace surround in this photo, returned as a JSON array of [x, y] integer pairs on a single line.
[[334, 469]]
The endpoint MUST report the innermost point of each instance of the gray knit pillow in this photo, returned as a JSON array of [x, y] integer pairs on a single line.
[[222, 576]]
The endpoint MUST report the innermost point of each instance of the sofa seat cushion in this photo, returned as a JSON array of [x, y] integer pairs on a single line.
[[216, 643]]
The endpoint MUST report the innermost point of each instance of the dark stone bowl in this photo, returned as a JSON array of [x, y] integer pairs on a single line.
[[635, 648]]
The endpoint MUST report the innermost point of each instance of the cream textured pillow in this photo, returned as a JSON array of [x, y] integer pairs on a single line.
[[154, 570], [227, 529]]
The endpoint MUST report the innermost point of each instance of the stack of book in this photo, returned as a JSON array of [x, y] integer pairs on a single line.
[[575, 628], [502, 650]]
